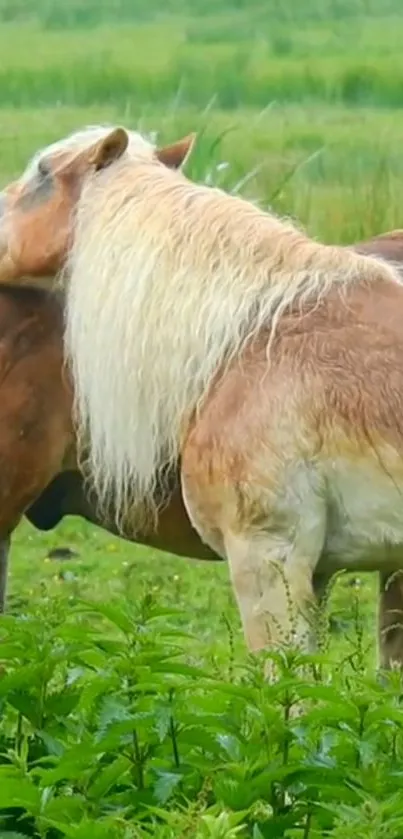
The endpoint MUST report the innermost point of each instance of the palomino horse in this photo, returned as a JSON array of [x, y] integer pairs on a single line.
[[37, 440], [204, 332]]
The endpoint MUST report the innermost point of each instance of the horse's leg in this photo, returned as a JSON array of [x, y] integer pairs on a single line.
[[4, 553], [272, 574], [390, 619]]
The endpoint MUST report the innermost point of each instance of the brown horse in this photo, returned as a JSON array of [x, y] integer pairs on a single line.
[[222, 496], [35, 428], [389, 246], [39, 474], [37, 445]]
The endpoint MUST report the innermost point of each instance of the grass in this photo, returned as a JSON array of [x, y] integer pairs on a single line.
[[242, 59], [129, 707]]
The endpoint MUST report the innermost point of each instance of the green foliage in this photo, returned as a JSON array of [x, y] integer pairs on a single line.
[[84, 52], [125, 717], [81, 13]]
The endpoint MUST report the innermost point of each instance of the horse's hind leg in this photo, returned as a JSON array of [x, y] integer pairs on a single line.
[[272, 575], [4, 553], [390, 620]]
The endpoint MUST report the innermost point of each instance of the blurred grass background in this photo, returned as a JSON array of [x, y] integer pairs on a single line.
[[307, 94]]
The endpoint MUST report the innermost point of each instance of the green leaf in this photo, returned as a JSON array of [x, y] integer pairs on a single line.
[[69, 808], [108, 777], [113, 709], [95, 687], [27, 705], [7, 834], [165, 612], [165, 786], [27, 676], [18, 791], [11, 651], [117, 733], [240, 691], [87, 829], [115, 614], [180, 669], [72, 765], [163, 722], [231, 745], [148, 657], [62, 704], [53, 746]]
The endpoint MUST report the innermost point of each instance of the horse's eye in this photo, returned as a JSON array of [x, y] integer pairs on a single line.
[[43, 168]]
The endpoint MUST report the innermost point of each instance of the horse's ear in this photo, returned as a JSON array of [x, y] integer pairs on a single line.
[[175, 155], [109, 149]]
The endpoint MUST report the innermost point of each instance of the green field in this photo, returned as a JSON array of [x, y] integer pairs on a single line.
[[129, 707]]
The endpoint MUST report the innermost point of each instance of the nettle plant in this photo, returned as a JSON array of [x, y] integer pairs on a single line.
[[112, 725]]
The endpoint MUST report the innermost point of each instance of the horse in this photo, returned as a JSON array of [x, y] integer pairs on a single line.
[[40, 476], [25, 315], [35, 426], [281, 416], [39, 472]]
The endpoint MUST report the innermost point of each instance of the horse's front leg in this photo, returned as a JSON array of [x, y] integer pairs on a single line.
[[272, 575], [390, 619], [272, 555], [254, 491], [4, 554]]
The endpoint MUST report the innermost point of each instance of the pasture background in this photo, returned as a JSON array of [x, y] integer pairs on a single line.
[[297, 105]]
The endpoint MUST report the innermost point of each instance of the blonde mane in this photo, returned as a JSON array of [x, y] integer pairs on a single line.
[[167, 281]]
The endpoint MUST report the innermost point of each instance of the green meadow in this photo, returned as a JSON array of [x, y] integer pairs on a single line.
[[129, 707]]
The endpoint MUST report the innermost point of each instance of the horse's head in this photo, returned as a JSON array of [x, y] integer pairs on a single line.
[[37, 210]]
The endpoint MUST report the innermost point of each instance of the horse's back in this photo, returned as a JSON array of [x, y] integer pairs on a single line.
[[389, 246]]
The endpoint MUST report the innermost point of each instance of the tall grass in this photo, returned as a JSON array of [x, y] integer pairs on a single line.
[[241, 60], [242, 52], [85, 13]]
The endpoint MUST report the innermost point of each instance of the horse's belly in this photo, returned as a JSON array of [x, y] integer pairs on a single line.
[[351, 552], [365, 521]]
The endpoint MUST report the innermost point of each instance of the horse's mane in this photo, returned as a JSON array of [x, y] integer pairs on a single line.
[[168, 281]]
